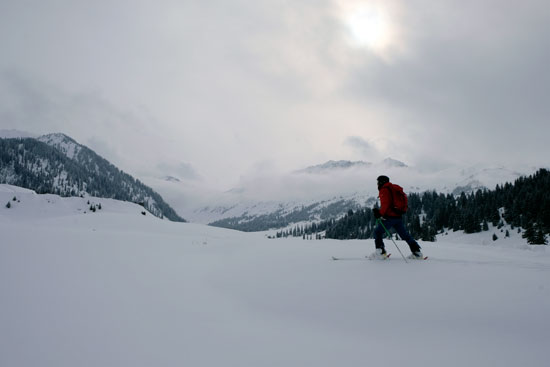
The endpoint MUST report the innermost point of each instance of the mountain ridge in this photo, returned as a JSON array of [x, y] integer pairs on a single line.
[[57, 164], [343, 185]]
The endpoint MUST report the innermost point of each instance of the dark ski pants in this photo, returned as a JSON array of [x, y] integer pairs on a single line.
[[397, 224]]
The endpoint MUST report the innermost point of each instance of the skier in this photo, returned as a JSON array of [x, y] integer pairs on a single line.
[[391, 217]]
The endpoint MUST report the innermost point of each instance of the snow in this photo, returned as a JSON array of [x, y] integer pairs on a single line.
[[62, 142], [116, 288]]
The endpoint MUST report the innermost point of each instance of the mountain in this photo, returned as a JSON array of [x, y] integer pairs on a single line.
[[65, 145], [325, 191], [262, 217], [172, 179], [57, 164], [389, 162], [334, 165]]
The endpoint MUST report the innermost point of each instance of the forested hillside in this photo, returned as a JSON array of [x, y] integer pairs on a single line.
[[522, 205], [44, 168]]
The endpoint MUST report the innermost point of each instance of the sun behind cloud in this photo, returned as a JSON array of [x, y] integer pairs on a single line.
[[369, 25]]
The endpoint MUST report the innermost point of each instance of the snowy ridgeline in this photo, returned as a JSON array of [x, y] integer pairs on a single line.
[[116, 288]]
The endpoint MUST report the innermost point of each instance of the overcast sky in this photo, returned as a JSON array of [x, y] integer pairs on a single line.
[[223, 89]]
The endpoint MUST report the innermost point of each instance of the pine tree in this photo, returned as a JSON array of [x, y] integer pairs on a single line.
[[471, 224], [530, 233], [8, 205], [539, 238]]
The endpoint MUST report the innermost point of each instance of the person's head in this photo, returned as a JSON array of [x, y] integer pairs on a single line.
[[381, 180]]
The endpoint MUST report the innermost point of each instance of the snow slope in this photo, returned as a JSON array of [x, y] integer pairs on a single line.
[[116, 288]]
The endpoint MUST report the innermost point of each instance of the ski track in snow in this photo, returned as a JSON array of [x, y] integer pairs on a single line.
[[116, 288]]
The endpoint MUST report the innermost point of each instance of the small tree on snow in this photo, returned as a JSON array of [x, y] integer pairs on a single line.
[[495, 237], [535, 235], [8, 205], [539, 237]]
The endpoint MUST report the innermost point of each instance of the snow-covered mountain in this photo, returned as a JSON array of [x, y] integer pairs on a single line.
[[64, 144], [57, 164], [320, 192], [116, 288], [334, 165]]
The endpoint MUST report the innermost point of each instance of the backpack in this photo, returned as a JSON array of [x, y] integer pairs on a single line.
[[399, 199]]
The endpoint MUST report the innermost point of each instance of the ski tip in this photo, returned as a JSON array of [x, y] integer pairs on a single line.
[[334, 258]]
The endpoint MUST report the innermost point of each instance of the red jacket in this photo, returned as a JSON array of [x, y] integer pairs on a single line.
[[386, 208]]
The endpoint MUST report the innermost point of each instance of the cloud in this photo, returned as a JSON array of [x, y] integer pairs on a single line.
[[472, 83], [363, 147], [121, 137], [224, 85]]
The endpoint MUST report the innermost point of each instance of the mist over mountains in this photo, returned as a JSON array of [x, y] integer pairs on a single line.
[[320, 192]]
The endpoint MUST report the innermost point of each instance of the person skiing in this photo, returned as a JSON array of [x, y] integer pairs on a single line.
[[391, 212]]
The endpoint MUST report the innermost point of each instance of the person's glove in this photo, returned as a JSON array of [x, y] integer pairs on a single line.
[[376, 213]]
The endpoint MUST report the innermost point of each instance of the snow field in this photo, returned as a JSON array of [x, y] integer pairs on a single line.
[[115, 288]]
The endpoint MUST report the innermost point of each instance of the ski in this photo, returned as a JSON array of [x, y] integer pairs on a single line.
[[386, 258], [368, 258], [422, 258], [357, 258], [348, 258]]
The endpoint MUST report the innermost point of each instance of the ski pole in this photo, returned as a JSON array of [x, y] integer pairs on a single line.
[[391, 238]]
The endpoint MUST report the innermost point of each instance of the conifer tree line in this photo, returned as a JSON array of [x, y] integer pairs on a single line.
[[525, 204]]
